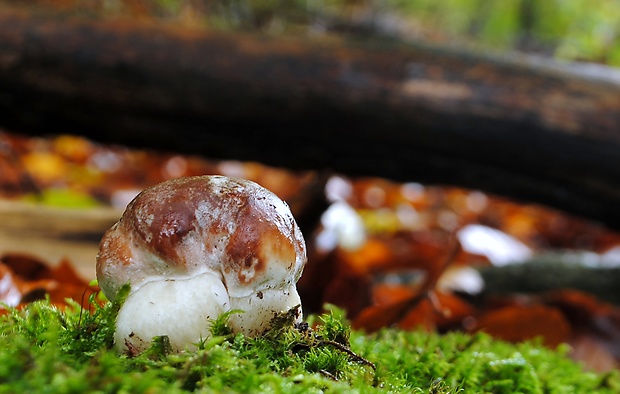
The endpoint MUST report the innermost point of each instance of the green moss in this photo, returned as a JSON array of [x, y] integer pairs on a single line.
[[43, 349]]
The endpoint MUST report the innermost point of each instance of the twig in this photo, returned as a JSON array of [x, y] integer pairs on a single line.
[[350, 352]]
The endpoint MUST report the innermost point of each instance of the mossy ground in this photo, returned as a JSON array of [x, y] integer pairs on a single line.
[[45, 350]]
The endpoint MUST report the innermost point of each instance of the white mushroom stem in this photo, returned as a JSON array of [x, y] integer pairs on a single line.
[[260, 308], [179, 308], [183, 309]]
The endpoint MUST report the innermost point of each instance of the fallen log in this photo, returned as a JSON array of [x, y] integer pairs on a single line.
[[533, 130]]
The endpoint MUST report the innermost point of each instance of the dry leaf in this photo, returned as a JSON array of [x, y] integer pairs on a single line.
[[518, 323]]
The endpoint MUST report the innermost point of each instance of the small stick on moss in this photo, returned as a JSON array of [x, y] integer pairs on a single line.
[[328, 375], [350, 352], [131, 351]]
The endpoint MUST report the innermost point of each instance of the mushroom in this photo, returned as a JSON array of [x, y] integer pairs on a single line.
[[195, 247]]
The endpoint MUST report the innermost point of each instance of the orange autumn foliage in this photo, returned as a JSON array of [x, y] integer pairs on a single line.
[[519, 323], [25, 279]]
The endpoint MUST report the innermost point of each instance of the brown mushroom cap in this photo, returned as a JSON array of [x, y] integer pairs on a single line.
[[233, 228]]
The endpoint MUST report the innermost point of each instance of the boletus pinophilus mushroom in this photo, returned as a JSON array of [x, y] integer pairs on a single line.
[[193, 248]]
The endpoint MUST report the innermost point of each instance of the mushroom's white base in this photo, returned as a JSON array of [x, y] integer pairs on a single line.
[[183, 308], [260, 308], [179, 308]]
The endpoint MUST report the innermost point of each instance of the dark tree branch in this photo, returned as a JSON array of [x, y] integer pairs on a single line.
[[536, 131]]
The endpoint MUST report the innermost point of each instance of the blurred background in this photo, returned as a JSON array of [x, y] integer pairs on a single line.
[[569, 29], [409, 255]]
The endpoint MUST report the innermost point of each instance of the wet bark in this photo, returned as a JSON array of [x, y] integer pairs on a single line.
[[516, 126]]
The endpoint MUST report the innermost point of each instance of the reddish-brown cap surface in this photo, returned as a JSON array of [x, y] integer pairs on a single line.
[[181, 228]]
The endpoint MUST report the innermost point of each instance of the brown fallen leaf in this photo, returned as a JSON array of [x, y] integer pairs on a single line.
[[593, 353], [27, 267], [377, 317], [595, 324], [522, 322], [403, 307], [24, 279], [66, 274], [580, 308]]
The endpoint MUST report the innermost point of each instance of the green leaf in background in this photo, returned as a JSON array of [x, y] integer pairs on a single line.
[[63, 198], [568, 29]]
